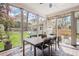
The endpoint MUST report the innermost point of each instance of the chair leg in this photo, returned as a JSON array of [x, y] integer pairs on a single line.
[[55, 46], [58, 44], [42, 52], [34, 51], [51, 50]]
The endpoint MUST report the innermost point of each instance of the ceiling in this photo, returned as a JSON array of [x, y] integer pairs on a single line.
[[43, 9]]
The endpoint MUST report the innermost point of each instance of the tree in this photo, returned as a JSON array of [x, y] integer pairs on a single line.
[[7, 22], [5, 19]]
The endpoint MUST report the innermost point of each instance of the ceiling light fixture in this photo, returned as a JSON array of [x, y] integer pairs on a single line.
[[50, 5]]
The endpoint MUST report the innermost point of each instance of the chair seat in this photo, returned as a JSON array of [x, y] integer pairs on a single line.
[[42, 47]]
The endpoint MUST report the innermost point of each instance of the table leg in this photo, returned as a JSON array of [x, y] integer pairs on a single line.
[[31, 48], [23, 49], [34, 51]]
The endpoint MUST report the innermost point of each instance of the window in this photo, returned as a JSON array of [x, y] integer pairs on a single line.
[[77, 18], [67, 22], [25, 25], [66, 30], [32, 23], [15, 29]]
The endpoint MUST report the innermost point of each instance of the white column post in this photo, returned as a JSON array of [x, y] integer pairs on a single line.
[[56, 27], [22, 31], [46, 25], [37, 25], [73, 29], [27, 22]]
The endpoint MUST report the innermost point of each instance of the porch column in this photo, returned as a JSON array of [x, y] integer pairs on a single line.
[[56, 26], [37, 25], [46, 24], [27, 21], [73, 29], [22, 31]]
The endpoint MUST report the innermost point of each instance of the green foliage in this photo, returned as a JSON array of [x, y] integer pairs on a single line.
[[17, 24], [7, 23], [2, 33], [5, 19]]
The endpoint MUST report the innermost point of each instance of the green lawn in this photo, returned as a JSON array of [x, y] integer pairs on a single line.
[[1, 46], [78, 36], [15, 38]]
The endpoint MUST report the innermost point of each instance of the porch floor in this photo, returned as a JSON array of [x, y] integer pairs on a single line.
[[64, 50]]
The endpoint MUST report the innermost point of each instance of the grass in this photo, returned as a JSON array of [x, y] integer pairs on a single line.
[[15, 38], [1, 46]]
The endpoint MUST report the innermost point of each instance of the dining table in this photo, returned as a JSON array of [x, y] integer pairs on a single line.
[[33, 41]]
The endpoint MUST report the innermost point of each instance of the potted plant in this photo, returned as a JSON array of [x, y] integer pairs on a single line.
[[7, 44]]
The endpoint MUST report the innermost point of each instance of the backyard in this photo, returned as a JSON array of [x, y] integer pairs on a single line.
[[15, 38]]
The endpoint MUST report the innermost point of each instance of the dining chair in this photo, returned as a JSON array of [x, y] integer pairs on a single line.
[[31, 47], [42, 46], [53, 44], [33, 36]]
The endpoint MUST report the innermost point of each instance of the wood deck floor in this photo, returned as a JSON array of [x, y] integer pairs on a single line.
[[64, 50]]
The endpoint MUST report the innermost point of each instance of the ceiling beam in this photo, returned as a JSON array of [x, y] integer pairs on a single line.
[[63, 12]]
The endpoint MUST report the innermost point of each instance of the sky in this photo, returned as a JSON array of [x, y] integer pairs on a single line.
[[14, 11]]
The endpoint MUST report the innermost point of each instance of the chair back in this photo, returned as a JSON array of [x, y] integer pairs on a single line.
[[47, 41], [53, 40], [33, 36], [59, 38]]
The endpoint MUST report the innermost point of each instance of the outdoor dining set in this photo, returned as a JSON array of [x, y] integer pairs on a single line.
[[42, 42]]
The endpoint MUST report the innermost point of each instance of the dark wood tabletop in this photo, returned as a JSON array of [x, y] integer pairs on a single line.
[[36, 40]]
